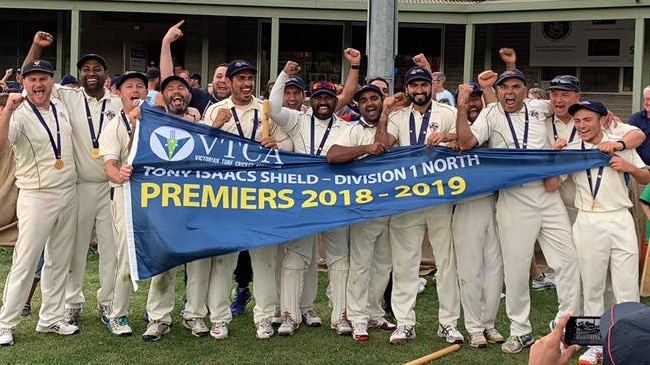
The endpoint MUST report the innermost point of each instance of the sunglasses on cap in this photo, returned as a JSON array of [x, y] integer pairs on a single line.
[[319, 85], [564, 80]]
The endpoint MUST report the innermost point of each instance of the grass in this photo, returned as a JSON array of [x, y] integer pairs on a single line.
[[308, 346]]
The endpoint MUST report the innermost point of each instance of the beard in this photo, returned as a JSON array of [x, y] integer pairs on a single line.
[[177, 103], [417, 99]]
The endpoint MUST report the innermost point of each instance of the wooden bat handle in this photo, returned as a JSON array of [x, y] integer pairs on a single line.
[[435, 355], [265, 118]]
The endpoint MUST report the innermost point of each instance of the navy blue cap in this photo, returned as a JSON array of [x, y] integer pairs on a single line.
[[171, 78], [131, 75], [625, 330], [565, 82], [511, 74], [68, 79], [476, 89], [237, 66], [365, 88], [593, 105], [417, 73], [195, 77], [92, 56], [295, 81], [38, 65], [153, 73]]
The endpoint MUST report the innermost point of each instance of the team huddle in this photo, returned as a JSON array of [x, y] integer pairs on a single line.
[[70, 148]]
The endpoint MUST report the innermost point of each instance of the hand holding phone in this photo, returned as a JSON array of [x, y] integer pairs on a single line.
[[583, 331]]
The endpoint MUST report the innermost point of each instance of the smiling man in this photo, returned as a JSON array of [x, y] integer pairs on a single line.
[[312, 132], [241, 114], [409, 127], [604, 229], [370, 261], [91, 108], [39, 130], [176, 96]]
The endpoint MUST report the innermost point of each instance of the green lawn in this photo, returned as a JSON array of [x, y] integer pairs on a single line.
[[308, 346]]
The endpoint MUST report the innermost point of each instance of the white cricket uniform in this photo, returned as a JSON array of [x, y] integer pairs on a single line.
[[556, 128], [113, 145], [370, 261], [604, 232], [46, 210], [527, 213], [263, 260], [300, 253], [92, 191], [406, 230], [480, 276]]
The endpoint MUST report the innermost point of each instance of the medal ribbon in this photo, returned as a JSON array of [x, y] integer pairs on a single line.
[[514, 133], [423, 127], [594, 189], [238, 124], [56, 147], [313, 135], [89, 118]]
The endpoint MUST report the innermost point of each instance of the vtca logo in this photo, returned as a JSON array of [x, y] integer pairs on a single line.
[[171, 144]]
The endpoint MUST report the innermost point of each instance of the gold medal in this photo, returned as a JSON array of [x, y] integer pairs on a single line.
[[58, 164], [94, 153]]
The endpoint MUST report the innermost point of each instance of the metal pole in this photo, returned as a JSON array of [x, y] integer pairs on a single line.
[[381, 46]]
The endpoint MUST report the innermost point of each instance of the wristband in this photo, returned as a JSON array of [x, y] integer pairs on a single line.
[[355, 67], [622, 144]]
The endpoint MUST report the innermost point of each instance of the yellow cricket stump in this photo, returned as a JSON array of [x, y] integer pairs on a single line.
[[435, 355]]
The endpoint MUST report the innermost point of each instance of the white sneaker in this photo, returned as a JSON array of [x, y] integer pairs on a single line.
[[155, 330], [6, 337], [342, 327], [402, 334], [104, 312], [544, 282], [311, 318], [593, 356], [119, 326], [288, 326], [60, 327], [264, 329], [197, 326], [450, 333], [360, 332], [422, 284], [219, 330], [382, 324]]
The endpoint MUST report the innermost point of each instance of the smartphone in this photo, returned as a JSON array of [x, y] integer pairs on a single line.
[[583, 331]]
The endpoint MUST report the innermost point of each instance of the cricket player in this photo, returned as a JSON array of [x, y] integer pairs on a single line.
[[39, 130]]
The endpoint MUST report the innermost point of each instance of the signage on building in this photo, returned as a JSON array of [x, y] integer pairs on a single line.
[[606, 43]]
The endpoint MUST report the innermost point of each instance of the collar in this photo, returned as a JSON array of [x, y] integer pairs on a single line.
[[107, 94], [560, 121], [254, 104], [365, 124]]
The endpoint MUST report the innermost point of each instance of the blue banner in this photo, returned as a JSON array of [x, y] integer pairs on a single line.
[[198, 192]]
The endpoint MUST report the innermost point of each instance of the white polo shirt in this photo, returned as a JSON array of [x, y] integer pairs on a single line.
[[107, 108], [441, 120], [492, 125], [33, 149], [246, 115], [613, 191], [356, 134]]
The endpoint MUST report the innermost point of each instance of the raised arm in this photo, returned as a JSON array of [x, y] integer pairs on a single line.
[[352, 82], [281, 115], [391, 105], [173, 34], [509, 57], [464, 135], [41, 40], [13, 101], [486, 80]]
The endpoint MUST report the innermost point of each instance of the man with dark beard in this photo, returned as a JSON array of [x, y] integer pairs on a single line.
[[176, 96], [409, 127], [312, 132], [370, 261], [91, 108]]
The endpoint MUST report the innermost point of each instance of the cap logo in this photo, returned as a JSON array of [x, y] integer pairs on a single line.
[[239, 64], [417, 71], [37, 63]]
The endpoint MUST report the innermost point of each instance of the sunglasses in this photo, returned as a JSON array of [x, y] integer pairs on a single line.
[[564, 80], [319, 85]]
